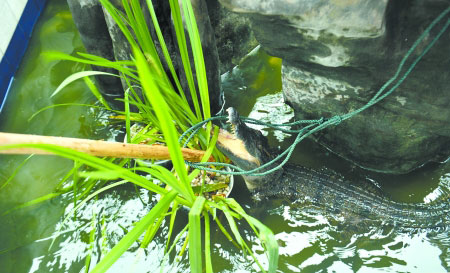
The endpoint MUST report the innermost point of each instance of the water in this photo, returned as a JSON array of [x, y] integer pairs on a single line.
[[309, 241]]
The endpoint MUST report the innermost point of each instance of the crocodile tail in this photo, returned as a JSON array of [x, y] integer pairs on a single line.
[[336, 196], [434, 215]]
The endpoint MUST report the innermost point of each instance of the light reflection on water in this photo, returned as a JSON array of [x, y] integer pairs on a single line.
[[65, 246], [312, 243], [309, 240]]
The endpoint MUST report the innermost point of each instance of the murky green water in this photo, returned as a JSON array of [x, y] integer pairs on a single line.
[[309, 241]]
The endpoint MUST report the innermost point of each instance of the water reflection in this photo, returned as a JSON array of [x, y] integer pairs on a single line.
[[113, 214], [310, 243]]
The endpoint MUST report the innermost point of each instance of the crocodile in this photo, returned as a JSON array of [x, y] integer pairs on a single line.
[[248, 149]]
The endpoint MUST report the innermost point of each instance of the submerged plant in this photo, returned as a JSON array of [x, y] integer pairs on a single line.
[[164, 109]]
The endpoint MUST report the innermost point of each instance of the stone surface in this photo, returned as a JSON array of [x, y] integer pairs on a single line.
[[90, 22], [233, 34], [338, 53]]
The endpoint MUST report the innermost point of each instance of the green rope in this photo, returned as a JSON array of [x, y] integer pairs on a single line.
[[318, 124]]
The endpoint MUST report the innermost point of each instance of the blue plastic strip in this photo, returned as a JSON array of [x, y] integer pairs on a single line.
[[6, 94], [18, 45]]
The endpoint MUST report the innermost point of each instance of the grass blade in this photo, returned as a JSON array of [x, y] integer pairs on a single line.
[[166, 176], [99, 175], [208, 263], [125, 63], [182, 45], [151, 231], [195, 235], [135, 233], [265, 234], [76, 76], [165, 50], [94, 90], [87, 263], [177, 239], [119, 66], [118, 19], [16, 170], [33, 202], [225, 232], [159, 104], [62, 104], [173, 215], [199, 61], [127, 115]]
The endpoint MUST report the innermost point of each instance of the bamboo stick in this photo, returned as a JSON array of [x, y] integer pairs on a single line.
[[95, 147]]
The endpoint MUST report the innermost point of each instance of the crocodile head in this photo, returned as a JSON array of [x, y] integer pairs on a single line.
[[248, 149]]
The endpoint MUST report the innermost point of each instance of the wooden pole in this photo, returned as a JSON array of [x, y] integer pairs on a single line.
[[95, 147]]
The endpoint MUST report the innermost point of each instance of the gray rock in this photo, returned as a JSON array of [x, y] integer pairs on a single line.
[[337, 54], [119, 44], [88, 17], [233, 34]]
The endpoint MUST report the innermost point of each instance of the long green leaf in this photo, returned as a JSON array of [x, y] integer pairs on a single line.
[[33, 202], [182, 45], [125, 63], [141, 30], [59, 105], [232, 223], [199, 61], [94, 90], [151, 231], [127, 115], [77, 76], [75, 183], [225, 232], [174, 244], [118, 19], [166, 176], [195, 235], [55, 55], [233, 226], [208, 261], [135, 233], [159, 104], [11, 177], [173, 216], [142, 33], [265, 234], [100, 175], [87, 262], [164, 49]]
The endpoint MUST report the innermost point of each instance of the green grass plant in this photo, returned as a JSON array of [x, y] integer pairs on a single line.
[[166, 112]]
